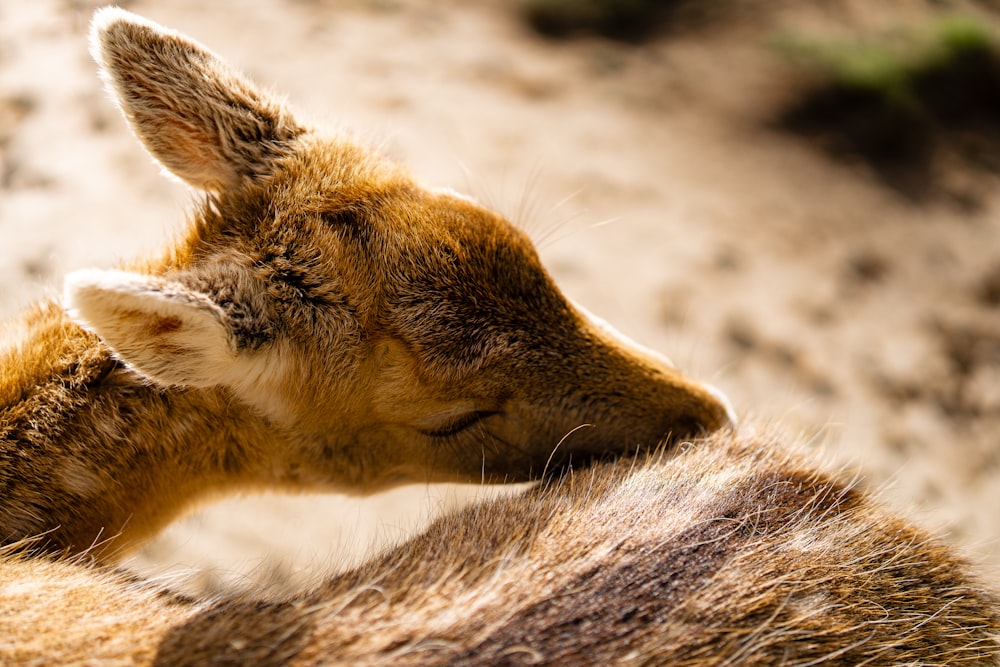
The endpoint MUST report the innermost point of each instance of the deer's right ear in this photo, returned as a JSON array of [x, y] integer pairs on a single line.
[[199, 118], [166, 331]]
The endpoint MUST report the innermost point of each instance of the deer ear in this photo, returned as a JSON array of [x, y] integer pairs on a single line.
[[166, 331], [199, 118]]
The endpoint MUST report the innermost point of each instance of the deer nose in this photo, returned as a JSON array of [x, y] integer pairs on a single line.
[[693, 409], [727, 416]]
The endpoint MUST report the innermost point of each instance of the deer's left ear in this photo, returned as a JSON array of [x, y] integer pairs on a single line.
[[196, 115], [169, 333]]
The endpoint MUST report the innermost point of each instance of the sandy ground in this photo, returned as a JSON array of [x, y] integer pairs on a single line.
[[660, 191]]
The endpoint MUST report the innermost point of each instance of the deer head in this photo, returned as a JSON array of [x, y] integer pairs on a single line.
[[385, 331]]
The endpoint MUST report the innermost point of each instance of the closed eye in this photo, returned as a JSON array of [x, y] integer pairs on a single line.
[[458, 424]]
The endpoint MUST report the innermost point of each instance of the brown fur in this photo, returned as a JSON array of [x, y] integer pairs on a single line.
[[325, 322], [731, 551]]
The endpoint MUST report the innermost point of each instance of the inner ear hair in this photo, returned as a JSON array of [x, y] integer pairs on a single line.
[[165, 330]]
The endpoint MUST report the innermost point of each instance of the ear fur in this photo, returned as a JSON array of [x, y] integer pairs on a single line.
[[199, 118], [169, 333]]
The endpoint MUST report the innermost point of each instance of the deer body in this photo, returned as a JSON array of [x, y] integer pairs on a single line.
[[732, 551], [324, 323]]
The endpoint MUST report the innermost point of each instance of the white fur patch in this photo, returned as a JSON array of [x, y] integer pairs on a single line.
[[258, 379]]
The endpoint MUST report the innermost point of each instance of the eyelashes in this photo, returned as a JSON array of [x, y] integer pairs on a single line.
[[459, 424]]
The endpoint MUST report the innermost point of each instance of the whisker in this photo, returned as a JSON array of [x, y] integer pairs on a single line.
[[563, 439]]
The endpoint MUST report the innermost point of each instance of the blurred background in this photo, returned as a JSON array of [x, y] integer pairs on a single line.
[[796, 200]]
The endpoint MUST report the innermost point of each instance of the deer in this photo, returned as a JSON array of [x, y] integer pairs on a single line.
[[326, 322]]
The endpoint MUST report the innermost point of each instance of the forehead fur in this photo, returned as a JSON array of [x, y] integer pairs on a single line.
[[474, 251], [339, 228]]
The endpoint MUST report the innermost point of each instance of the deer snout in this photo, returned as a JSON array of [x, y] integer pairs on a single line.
[[727, 414], [685, 408], [692, 408], [688, 408]]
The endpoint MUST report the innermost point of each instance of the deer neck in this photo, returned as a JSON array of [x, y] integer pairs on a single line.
[[93, 457]]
